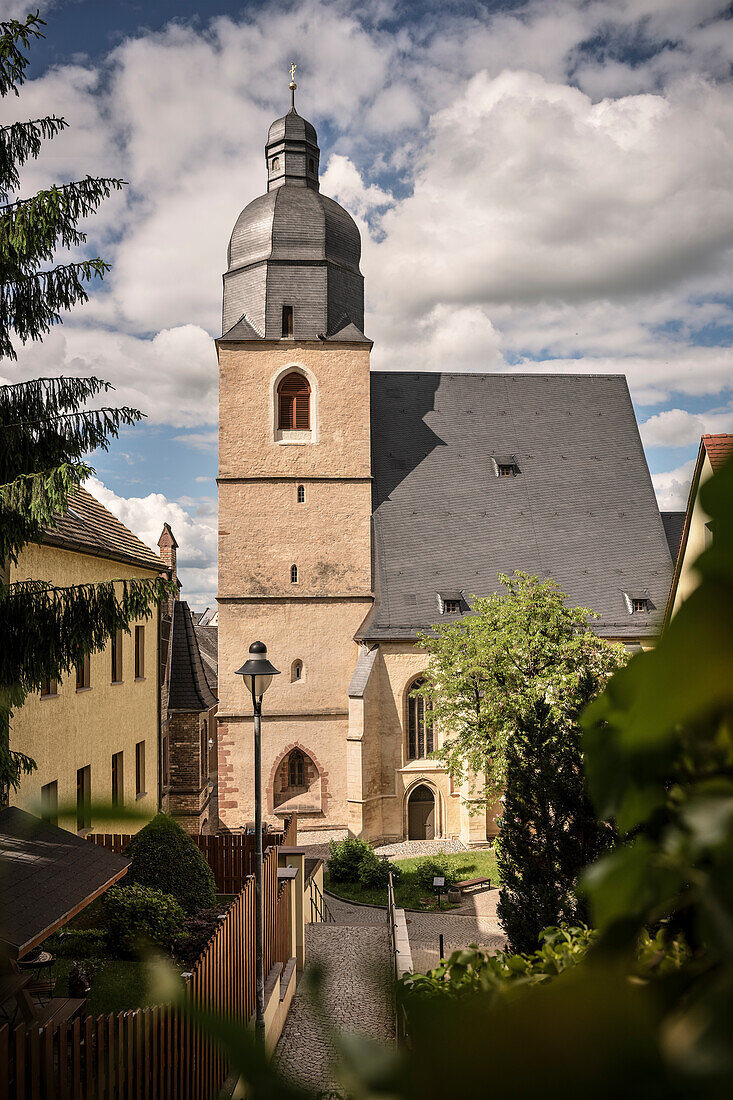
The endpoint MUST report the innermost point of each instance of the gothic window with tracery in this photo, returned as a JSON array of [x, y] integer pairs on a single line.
[[420, 736]]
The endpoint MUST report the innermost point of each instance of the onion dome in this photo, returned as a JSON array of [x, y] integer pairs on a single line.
[[293, 258]]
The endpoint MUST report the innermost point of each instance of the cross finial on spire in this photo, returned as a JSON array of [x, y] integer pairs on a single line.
[[293, 85]]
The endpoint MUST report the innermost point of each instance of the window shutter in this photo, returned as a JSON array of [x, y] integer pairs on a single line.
[[294, 402]]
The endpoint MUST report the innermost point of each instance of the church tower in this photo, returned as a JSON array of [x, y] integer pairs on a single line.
[[294, 486]]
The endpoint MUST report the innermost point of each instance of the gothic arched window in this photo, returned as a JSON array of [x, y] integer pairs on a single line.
[[293, 574], [293, 402], [420, 738], [296, 769]]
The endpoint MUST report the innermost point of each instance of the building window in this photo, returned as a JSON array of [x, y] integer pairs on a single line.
[[83, 674], [420, 740], [139, 652], [164, 762], [287, 320], [293, 402], [451, 607], [638, 604], [275, 163], [84, 798], [311, 165], [140, 769], [505, 470], [301, 494], [116, 657], [118, 780], [293, 574], [50, 803], [296, 671], [49, 687], [296, 769], [204, 751]]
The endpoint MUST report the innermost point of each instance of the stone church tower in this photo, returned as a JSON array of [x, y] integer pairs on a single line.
[[294, 485]]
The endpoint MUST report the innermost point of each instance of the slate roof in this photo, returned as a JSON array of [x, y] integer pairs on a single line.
[[364, 665], [208, 640], [581, 507], [89, 528], [719, 448], [188, 688], [673, 522], [46, 876]]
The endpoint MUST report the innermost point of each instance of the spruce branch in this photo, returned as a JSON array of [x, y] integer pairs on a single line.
[[33, 503], [15, 39], [31, 230], [20, 142]]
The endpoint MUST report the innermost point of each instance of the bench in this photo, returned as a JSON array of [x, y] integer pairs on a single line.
[[60, 1010], [472, 884]]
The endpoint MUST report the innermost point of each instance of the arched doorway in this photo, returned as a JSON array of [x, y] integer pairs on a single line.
[[421, 814]]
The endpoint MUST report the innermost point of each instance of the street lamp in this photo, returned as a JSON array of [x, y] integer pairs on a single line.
[[257, 673]]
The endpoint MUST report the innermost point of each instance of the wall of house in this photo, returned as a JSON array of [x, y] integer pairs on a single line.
[[73, 729], [189, 794], [697, 541]]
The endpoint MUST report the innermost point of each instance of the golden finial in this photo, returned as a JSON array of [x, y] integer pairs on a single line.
[[293, 85]]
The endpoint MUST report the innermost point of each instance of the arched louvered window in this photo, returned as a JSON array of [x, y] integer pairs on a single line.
[[296, 769], [293, 402], [420, 739]]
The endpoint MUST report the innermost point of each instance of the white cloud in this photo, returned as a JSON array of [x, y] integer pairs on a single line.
[[194, 527], [673, 487], [677, 428]]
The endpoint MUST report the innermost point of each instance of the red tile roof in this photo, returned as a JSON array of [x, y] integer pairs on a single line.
[[719, 448]]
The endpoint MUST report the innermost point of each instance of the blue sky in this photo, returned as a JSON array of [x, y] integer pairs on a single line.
[[540, 185]]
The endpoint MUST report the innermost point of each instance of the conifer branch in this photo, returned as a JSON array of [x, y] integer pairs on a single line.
[[33, 503], [16, 38], [21, 141]]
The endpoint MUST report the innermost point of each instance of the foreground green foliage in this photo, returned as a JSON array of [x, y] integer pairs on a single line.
[[164, 856]]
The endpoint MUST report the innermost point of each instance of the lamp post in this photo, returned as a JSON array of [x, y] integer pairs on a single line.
[[257, 673]]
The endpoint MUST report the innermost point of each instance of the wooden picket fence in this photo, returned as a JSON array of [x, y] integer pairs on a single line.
[[155, 1053], [231, 856]]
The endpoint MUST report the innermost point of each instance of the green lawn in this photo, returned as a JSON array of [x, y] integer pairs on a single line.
[[477, 864]]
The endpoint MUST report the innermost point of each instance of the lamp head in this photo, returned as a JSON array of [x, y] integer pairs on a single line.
[[257, 671]]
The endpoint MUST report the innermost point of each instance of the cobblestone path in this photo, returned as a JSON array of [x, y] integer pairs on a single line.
[[356, 996]]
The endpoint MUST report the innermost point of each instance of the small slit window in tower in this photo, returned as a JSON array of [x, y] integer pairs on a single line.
[[311, 165], [287, 320], [275, 163], [293, 401], [301, 494], [296, 671], [293, 574]]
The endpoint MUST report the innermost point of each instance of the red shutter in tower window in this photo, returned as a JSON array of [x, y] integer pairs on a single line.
[[293, 398]]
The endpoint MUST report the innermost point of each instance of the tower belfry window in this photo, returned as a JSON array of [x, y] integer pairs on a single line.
[[287, 320], [293, 400]]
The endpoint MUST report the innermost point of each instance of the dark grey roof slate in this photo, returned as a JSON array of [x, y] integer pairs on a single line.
[[673, 522], [188, 688], [581, 510], [364, 665], [208, 640], [46, 875], [89, 528]]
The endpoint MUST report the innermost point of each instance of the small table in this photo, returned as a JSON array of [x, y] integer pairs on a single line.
[[40, 965]]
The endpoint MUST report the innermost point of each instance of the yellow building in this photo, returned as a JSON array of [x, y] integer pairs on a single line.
[[697, 533], [95, 734], [358, 508]]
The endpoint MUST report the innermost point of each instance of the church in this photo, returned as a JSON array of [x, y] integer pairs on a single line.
[[357, 508]]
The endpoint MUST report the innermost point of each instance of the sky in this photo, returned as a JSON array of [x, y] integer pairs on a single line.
[[541, 185]]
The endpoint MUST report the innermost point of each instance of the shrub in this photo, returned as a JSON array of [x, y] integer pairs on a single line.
[[78, 943], [138, 915], [196, 934], [166, 858], [345, 858], [432, 866], [374, 870]]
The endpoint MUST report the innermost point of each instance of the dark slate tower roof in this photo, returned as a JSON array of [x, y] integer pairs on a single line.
[[576, 504], [188, 686], [293, 247]]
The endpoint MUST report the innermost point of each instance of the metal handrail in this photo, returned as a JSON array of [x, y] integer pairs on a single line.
[[319, 906]]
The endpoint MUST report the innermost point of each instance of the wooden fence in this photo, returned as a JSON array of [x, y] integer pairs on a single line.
[[155, 1053], [231, 856]]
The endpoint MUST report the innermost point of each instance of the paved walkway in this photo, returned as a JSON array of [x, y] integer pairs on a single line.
[[356, 996]]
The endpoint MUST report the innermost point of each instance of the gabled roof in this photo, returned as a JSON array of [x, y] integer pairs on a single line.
[[208, 640], [47, 875], [673, 523], [188, 688], [89, 528], [580, 509], [719, 448]]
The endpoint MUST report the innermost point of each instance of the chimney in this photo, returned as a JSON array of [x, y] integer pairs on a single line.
[[168, 546]]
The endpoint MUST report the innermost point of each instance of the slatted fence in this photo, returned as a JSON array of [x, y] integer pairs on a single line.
[[231, 856], [155, 1053]]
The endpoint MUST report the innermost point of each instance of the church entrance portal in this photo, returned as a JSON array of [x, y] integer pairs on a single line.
[[421, 814]]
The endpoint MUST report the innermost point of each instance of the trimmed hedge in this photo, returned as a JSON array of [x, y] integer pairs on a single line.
[[166, 858], [138, 916]]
